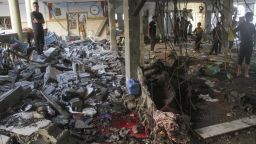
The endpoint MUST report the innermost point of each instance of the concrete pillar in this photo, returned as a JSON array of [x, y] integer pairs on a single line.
[[208, 15], [120, 21], [227, 11], [28, 12], [112, 25], [15, 17], [142, 44], [132, 39]]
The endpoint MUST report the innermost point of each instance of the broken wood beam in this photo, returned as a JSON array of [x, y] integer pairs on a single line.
[[54, 104], [227, 127]]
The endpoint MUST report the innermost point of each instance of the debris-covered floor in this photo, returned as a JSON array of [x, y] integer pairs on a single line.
[[76, 93], [218, 96]]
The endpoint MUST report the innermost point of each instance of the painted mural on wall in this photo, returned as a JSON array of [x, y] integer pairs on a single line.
[[93, 9]]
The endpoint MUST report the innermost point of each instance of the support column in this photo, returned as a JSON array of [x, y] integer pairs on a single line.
[[132, 39], [207, 18], [227, 11], [112, 25], [142, 45], [28, 12], [15, 17], [120, 21]]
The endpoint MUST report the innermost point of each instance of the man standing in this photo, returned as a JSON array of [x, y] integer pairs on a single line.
[[199, 34], [247, 32], [37, 23], [216, 47], [152, 32]]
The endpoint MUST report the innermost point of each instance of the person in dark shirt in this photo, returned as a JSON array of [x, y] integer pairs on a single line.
[[199, 34], [216, 39], [176, 31], [152, 32], [37, 23], [247, 32]]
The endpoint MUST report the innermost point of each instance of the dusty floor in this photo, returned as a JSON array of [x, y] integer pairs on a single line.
[[227, 108]]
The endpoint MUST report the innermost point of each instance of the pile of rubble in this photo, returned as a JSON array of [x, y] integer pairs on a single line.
[[70, 94], [76, 93]]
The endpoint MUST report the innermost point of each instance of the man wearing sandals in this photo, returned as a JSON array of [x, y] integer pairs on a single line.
[[247, 32]]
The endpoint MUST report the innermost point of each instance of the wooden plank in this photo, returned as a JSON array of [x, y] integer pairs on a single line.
[[101, 27], [227, 127]]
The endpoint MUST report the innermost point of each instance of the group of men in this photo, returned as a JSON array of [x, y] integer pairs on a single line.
[[247, 34], [246, 31]]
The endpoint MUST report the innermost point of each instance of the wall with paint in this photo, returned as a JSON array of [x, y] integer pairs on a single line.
[[56, 19]]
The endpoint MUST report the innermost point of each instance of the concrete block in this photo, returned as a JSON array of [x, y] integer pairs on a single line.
[[4, 139], [51, 73], [55, 135], [11, 98]]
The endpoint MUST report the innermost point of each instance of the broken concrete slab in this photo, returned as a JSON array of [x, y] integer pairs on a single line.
[[7, 78], [12, 97], [54, 104], [4, 139], [68, 76], [76, 104], [49, 89], [52, 133], [51, 52], [51, 74], [25, 84], [55, 135], [227, 127], [26, 130]]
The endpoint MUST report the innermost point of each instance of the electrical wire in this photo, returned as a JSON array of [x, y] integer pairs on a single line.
[[247, 5]]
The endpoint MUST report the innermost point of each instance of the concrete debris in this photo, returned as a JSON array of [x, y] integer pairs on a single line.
[[5, 139], [50, 74], [61, 119], [26, 130], [12, 97], [89, 112], [54, 104], [25, 84], [51, 53], [53, 134], [78, 95], [207, 98]]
